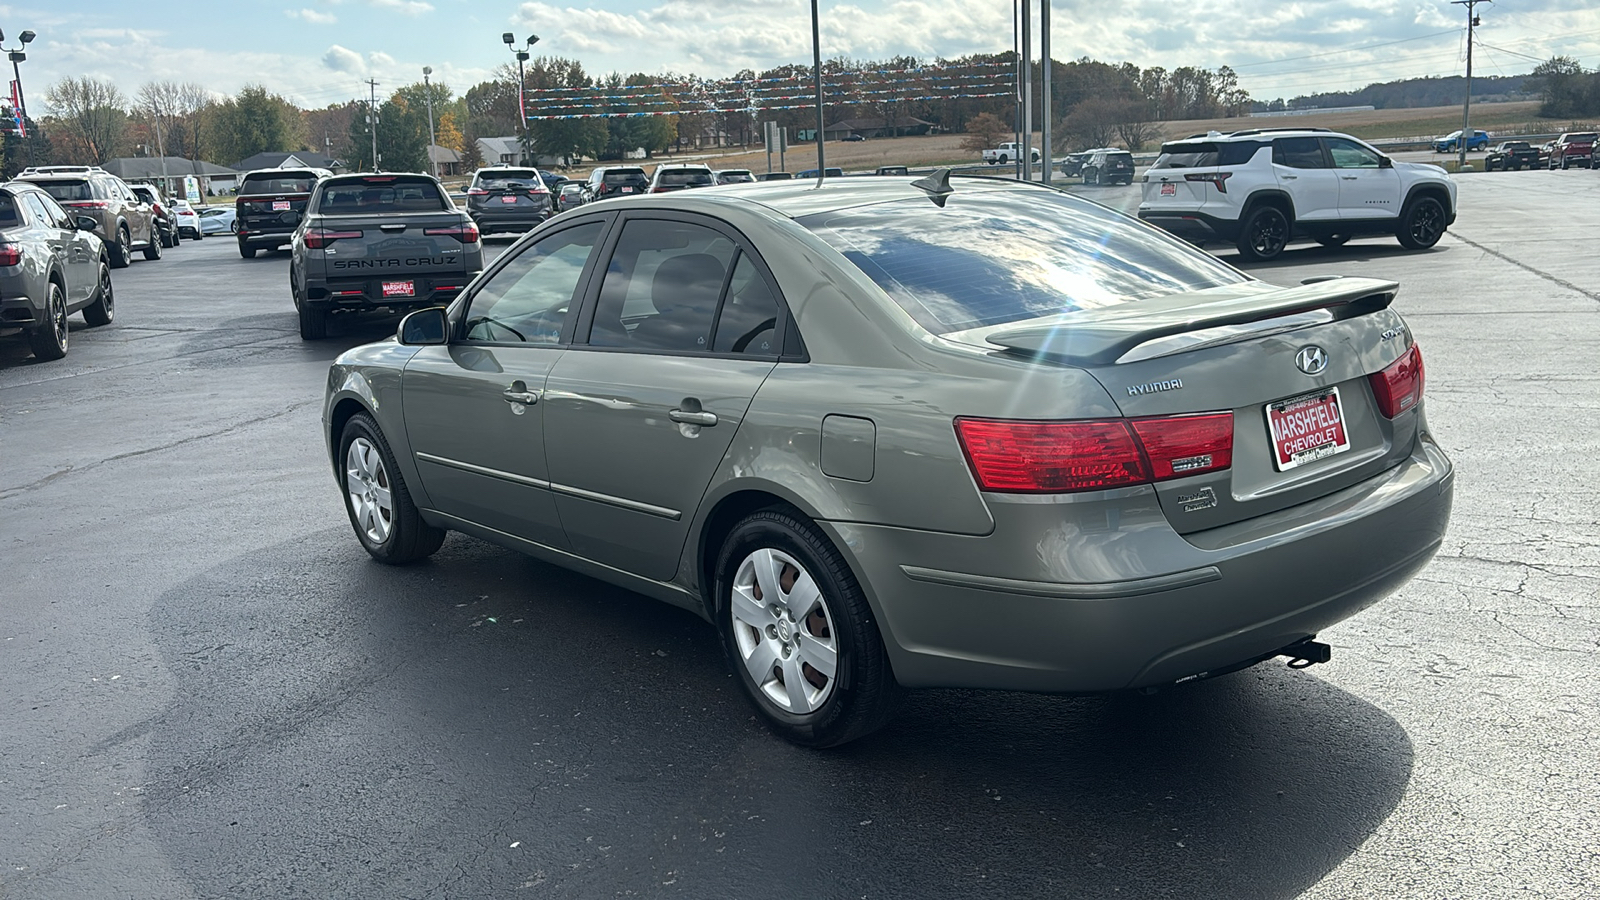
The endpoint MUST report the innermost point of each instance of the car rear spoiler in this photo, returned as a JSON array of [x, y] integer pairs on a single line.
[[1102, 336]]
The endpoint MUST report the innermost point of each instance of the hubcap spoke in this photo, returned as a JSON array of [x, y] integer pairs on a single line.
[[747, 609], [803, 596], [796, 687], [760, 659], [820, 656]]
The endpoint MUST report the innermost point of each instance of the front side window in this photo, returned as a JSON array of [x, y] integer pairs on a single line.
[[1351, 155], [995, 256], [662, 287], [528, 300], [1298, 153]]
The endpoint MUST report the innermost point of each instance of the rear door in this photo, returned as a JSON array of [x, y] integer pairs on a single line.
[[1301, 167], [1367, 190], [639, 416]]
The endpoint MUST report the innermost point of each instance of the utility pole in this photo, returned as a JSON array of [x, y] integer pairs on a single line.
[[433, 168], [1044, 60], [816, 74], [1466, 105], [1025, 149], [372, 119], [1016, 77]]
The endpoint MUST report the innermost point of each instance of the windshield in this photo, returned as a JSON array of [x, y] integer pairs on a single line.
[[277, 184], [67, 191], [991, 257], [685, 176], [1586, 137], [511, 178], [381, 194]]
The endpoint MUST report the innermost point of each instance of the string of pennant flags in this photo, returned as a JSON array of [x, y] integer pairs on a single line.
[[764, 107], [734, 104], [708, 84]]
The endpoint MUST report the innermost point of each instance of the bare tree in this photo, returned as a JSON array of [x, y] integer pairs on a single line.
[[984, 132], [93, 112], [1094, 121]]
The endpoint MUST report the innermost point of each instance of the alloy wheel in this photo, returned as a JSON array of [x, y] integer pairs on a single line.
[[784, 631], [367, 486], [1427, 225]]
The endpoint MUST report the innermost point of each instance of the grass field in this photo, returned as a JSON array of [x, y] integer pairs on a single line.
[[945, 149]]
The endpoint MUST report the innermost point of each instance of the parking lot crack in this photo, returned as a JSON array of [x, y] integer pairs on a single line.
[[1527, 268], [78, 470]]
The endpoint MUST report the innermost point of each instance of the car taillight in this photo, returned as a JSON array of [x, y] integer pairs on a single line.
[[466, 234], [91, 204], [1013, 456], [10, 255], [1220, 179], [317, 238], [659, 190], [1399, 387], [477, 192]]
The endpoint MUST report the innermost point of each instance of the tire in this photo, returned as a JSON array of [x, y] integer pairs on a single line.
[[1333, 240], [152, 250], [104, 307], [1264, 235], [1091, 176], [313, 321], [393, 533], [1421, 224], [1003, 160], [233, 227], [49, 341], [780, 640], [1565, 165], [247, 251], [199, 235], [122, 250]]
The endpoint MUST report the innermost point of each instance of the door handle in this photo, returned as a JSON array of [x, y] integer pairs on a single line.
[[1288, 177], [685, 417], [525, 397], [1348, 177]]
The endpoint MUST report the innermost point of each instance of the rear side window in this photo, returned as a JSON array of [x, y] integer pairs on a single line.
[[10, 216], [276, 184], [1298, 153], [662, 287], [68, 191], [991, 257], [381, 194], [1187, 156]]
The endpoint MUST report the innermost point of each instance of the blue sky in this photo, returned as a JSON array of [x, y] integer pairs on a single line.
[[319, 51]]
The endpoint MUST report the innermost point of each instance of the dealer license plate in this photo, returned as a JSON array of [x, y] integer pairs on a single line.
[[399, 288], [627, 190], [1307, 428], [1169, 190], [280, 205], [508, 199]]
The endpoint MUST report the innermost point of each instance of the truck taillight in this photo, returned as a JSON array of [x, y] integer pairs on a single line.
[[1016, 456], [10, 255], [317, 238], [466, 234], [1399, 387]]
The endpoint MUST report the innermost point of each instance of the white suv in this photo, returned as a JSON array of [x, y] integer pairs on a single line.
[[1262, 187]]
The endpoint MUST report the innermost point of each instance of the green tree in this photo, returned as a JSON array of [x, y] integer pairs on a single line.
[[1562, 87], [565, 139], [254, 121]]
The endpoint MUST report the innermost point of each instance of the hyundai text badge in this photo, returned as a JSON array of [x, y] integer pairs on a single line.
[[1311, 359]]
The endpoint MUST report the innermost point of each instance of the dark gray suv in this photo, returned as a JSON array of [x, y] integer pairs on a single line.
[[508, 199], [51, 266]]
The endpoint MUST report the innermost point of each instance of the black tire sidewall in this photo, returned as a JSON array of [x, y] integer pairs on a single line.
[[1247, 245], [777, 530], [46, 343], [104, 307], [1408, 220]]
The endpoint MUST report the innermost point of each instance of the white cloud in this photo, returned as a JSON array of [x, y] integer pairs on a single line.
[[404, 7], [343, 59], [312, 16], [380, 58]]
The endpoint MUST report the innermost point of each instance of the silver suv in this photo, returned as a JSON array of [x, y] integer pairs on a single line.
[[123, 221], [1260, 188]]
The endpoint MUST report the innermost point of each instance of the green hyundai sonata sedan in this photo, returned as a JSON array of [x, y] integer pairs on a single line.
[[888, 434]]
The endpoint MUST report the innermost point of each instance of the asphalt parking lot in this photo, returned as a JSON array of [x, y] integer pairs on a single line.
[[208, 690]]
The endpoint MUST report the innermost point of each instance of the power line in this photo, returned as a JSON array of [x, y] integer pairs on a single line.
[[1270, 62]]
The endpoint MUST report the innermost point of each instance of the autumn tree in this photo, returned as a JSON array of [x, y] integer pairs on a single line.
[[92, 117], [984, 132]]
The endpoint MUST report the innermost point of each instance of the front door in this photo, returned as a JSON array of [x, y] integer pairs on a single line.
[[1367, 190], [638, 420], [474, 408], [1302, 170]]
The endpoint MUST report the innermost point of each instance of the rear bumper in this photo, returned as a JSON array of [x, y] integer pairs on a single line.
[[367, 293], [1232, 595], [17, 310], [1192, 225], [491, 220], [268, 239]]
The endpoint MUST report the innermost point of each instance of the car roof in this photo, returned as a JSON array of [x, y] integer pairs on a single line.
[[804, 197]]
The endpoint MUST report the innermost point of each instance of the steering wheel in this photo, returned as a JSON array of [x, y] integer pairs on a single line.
[[745, 339]]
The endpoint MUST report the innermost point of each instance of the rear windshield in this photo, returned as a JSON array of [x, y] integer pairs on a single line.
[[676, 177], [1585, 136], [1119, 157], [625, 176], [991, 257], [277, 184], [1204, 154], [381, 194], [737, 177], [1517, 145], [510, 178], [67, 191]]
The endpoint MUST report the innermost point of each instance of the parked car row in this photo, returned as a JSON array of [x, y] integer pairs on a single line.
[[1570, 149], [53, 263]]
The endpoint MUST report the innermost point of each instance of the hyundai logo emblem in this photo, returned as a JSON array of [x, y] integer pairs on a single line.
[[1311, 360]]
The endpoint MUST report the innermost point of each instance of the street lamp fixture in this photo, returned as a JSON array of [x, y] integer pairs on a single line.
[[510, 40], [17, 55]]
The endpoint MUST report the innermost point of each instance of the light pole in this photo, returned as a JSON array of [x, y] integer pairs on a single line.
[[17, 55], [427, 89], [522, 84], [1466, 104]]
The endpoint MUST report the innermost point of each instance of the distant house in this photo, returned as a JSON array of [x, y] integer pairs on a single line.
[[876, 128], [169, 172], [300, 159], [507, 151], [446, 162]]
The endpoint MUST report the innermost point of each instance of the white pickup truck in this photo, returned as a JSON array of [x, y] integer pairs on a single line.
[[1007, 152]]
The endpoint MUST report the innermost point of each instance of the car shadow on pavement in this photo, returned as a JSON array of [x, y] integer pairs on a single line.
[[482, 723], [1309, 254]]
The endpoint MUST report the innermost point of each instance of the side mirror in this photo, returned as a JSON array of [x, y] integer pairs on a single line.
[[85, 223], [1385, 162], [424, 327]]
